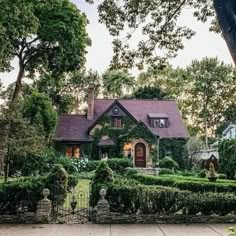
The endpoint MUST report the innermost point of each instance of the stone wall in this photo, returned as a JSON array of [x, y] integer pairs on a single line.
[[24, 218], [42, 215], [118, 218]]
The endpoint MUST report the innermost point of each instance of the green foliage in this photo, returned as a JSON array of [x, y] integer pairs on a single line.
[[148, 92], [57, 181], [29, 189], [133, 198], [187, 183], [168, 163], [103, 174], [41, 163], [44, 35], [232, 231], [119, 164], [227, 153], [102, 179], [166, 171], [176, 148], [202, 174], [115, 82], [37, 108], [229, 116], [21, 190], [222, 176], [131, 171]]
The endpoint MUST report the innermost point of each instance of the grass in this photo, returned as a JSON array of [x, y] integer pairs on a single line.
[[80, 193]]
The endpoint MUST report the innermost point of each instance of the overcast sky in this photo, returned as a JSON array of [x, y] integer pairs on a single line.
[[204, 44]]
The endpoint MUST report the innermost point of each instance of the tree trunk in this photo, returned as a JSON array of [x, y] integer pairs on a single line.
[[206, 135], [226, 15], [18, 85]]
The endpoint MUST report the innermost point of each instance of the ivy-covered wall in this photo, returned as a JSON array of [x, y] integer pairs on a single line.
[[175, 148], [115, 134]]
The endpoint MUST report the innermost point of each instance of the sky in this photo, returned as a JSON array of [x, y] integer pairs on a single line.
[[203, 44]]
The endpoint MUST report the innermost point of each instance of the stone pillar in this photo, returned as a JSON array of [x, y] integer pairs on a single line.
[[103, 207], [44, 208]]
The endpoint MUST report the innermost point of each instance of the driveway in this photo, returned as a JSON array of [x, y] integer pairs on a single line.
[[114, 230]]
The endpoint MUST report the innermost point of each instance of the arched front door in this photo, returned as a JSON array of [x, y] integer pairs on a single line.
[[140, 155]]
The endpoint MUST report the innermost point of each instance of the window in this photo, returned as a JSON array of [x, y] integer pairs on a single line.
[[159, 123], [73, 151], [162, 123], [117, 122]]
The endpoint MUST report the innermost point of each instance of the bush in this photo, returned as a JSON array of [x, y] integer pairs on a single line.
[[41, 164], [187, 183], [119, 164], [165, 171], [28, 190], [102, 178], [131, 171], [227, 153], [222, 176], [24, 190], [169, 163], [133, 198], [202, 174], [57, 182]]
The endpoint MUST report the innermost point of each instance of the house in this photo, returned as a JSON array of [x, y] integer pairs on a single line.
[[142, 130], [229, 132]]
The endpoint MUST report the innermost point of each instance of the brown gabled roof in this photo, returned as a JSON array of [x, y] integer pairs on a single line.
[[75, 127]]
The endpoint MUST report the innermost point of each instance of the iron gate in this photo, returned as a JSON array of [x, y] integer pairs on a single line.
[[74, 208]]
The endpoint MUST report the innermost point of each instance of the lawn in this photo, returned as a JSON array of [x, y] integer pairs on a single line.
[[80, 193]]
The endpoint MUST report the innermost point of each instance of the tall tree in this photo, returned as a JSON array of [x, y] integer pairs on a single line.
[[210, 88], [149, 92], [38, 110], [58, 90], [158, 21], [43, 35], [117, 83], [229, 117]]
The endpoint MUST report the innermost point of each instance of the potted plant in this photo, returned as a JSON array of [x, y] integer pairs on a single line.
[[211, 174]]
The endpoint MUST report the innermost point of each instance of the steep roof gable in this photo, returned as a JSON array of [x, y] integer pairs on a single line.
[[74, 127]]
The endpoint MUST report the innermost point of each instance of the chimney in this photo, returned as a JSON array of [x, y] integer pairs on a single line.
[[90, 110]]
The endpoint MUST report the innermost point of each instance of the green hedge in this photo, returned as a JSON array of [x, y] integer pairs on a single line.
[[187, 183], [130, 197], [28, 190], [116, 164]]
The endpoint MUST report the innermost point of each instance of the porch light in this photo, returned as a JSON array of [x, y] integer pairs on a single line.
[[127, 146]]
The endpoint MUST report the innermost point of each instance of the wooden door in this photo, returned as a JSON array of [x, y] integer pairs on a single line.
[[140, 155]]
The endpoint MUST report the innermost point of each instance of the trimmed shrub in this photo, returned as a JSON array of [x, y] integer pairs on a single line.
[[165, 171], [227, 153], [202, 174], [57, 182], [133, 198], [222, 176], [131, 171], [187, 183], [27, 191], [102, 179], [119, 164], [169, 163]]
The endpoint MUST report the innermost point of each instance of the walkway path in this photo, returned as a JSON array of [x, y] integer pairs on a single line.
[[114, 230]]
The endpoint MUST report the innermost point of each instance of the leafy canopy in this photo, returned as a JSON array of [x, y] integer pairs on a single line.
[[45, 35]]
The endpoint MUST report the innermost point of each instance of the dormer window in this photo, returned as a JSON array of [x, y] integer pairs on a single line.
[[159, 123], [158, 120], [116, 122]]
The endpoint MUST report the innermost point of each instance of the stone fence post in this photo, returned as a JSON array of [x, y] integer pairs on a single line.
[[103, 207], [44, 208]]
